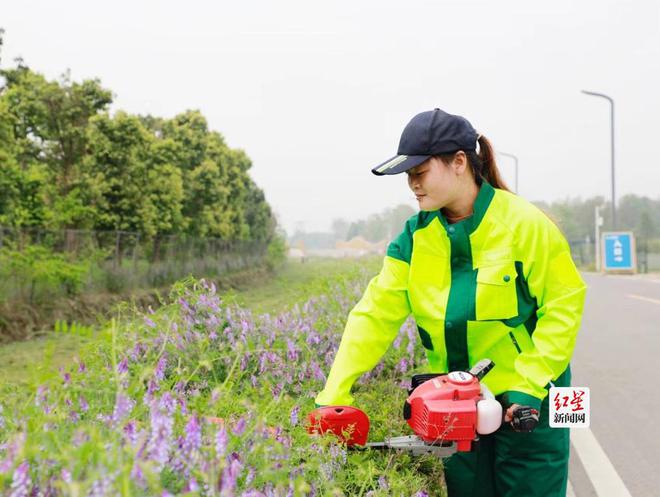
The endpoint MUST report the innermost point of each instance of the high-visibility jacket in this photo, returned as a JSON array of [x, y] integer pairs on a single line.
[[500, 284]]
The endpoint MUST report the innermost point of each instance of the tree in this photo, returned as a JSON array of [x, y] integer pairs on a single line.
[[340, 228], [66, 163], [116, 173]]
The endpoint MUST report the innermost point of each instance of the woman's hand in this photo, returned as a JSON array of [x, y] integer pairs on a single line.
[[508, 416]]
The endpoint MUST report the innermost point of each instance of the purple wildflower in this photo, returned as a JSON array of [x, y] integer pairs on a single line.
[[159, 372], [66, 476], [137, 475], [180, 387], [338, 452], [313, 338], [229, 477], [152, 387], [263, 361], [250, 475], [182, 404], [239, 427], [192, 486], [193, 439], [410, 349], [382, 483], [122, 367], [318, 372], [215, 395], [149, 322], [20, 483], [161, 433], [221, 441], [136, 351], [100, 487], [167, 403], [185, 305], [294, 415], [123, 407], [84, 405], [130, 431], [12, 449], [421, 493], [292, 352]]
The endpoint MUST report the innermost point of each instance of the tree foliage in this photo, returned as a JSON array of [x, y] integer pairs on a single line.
[[576, 217], [67, 162]]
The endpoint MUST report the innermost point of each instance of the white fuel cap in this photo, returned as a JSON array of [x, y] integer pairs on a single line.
[[460, 377]]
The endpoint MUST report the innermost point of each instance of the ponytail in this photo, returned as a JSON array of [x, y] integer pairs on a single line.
[[484, 166]]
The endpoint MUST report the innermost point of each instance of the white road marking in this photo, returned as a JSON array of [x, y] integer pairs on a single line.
[[637, 277], [569, 490], [604, 478], [641, 297]]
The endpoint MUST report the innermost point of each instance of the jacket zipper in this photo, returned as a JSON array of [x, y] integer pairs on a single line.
[[515, 342]]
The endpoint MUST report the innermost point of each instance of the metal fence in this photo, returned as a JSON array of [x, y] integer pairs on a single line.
[[111, 260], [647, 252]]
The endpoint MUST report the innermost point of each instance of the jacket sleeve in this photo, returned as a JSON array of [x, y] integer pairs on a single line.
[[560, 292], [372, 326]]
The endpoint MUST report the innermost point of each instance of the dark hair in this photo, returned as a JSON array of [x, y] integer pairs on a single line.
[[483, 164]]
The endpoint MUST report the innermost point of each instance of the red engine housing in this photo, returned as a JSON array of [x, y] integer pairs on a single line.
[[444, 409]]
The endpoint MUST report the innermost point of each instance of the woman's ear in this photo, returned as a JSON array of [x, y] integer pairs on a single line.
[[460, 163]]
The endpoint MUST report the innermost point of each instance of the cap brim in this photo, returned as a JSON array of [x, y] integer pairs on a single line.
[[399, 164]]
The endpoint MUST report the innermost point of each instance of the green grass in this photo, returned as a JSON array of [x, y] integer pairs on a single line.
[[298, 281], [24, 362], [222, 377]]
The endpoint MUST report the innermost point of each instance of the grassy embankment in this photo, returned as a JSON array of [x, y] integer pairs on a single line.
[[295, 282], [130, 414]]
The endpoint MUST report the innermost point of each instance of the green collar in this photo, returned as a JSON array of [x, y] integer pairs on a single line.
[[481, 203]]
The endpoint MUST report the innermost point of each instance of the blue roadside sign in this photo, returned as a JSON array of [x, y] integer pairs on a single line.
[[619, 251]]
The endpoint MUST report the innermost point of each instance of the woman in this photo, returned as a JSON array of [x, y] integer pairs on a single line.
[[485, 275]]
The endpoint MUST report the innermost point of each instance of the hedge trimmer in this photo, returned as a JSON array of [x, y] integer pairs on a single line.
[[447, 413]]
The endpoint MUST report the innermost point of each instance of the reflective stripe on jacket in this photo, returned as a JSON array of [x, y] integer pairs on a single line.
[[500, 285]]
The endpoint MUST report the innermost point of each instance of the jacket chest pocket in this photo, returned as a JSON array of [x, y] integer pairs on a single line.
[[496, 292]]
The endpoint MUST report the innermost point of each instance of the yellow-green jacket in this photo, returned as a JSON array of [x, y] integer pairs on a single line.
[[500, 285]]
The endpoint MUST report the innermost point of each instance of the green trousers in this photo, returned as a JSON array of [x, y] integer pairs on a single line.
[[513, 464]]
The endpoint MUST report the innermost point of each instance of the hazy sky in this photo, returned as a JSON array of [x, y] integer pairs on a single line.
[[317, 93]]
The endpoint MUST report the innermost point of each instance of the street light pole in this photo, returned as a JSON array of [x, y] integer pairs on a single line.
[[611, 101], [516, 162], [598, 222]]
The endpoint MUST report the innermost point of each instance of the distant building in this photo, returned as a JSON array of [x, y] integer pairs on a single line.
[[296, 253], [358, 246]]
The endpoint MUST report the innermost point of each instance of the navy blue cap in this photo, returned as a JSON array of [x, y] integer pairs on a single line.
[[429, 133]]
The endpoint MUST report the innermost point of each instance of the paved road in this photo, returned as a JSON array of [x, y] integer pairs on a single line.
[[618, 356]]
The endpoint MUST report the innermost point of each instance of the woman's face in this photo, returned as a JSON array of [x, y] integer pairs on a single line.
[[434, 184]]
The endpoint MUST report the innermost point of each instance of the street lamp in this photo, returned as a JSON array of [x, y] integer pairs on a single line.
[[609, 99], [597, 224], [516, 162]]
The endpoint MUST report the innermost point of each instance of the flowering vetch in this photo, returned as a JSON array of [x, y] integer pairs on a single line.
[[20, 484]]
